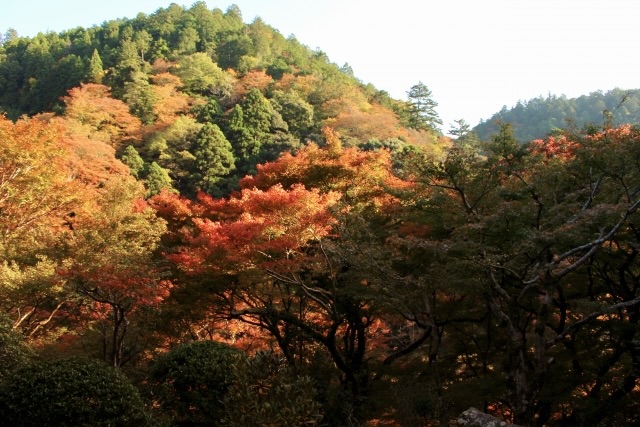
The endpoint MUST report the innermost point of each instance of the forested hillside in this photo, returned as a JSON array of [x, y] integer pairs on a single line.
[[149, 85], [538, 117], [205, 223]]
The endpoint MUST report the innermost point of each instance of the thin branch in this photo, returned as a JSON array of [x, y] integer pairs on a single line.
[[48, 319], [577, 325], [599, 241]]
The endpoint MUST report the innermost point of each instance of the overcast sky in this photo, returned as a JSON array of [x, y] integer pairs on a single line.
[[475, 56]]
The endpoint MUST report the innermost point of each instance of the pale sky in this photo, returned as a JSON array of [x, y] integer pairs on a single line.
[[474, 55]]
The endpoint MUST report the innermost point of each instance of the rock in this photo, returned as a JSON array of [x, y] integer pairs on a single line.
[[475, 418]]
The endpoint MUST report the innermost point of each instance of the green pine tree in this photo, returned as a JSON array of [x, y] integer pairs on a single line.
[[422, 108], [131, 158], [258, 112], [157, 179], [211, 112], [140, 97], [95, 70], [214, 161]]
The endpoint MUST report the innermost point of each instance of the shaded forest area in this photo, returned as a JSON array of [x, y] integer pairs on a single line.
[[205, 223]]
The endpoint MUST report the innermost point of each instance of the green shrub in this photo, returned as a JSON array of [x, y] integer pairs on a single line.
[[267, 392], [70, 392], [191, 380], [13, 351]]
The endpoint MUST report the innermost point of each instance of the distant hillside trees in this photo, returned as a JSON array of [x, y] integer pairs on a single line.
[[538, 117]]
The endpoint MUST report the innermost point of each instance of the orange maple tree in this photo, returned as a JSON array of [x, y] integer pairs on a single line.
[[35, 187], [273, 255], [170, 101], [364, 178], [302, 84], [100, 116], [373, 121], [253, 79]]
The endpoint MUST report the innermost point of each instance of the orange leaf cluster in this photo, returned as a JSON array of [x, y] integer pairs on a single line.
[[125, 287], [303, 84], [361, 176], [257, 228], [103, 117], [618, 134], [170, 102], [36, 185], [374, 122], [86, 160], [253, 79], [555, 147]]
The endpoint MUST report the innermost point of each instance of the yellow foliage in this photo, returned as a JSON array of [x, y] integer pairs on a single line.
[[170, 100], [36, 189]]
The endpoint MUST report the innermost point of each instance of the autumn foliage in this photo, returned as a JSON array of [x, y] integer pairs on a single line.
[[361, 177], [349, 269], [258, 228], [98, 115], [37, 189], [170, 102]]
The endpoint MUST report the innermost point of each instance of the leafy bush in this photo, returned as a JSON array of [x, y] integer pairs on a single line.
[[191, 381], [13, 351], [70, 392], [267, 392]]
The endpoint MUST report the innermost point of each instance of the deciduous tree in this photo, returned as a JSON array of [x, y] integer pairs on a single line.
[[103, 117], [202, 76], [110, 262], [277, 255]]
